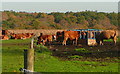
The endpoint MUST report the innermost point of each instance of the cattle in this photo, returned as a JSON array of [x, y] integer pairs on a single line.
[[21, 35], [43, 39], [29, 35], [90, 34], [18, 36], [4, 37], [87, 34], [54, 37], [59, 36], [106, 34], [71, 35], [83, 35], [5, 32]]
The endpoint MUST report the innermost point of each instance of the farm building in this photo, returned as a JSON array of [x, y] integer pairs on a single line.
[[89, 37]]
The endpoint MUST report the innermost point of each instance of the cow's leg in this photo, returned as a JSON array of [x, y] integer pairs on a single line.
[[49, 42], [44, 41], [114, 40], [7, 38], [23, 38], [76, 41], [20, 38], [64, 41], [101, 42], [37, 42], [73, 42]]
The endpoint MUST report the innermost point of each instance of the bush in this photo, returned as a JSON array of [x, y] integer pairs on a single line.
[[41, 48]]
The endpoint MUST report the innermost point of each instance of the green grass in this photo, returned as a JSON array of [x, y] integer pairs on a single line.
[[83, 50], [110, 40], [12, 60], [15, 41], [12, 55], [46, 63], [75, 56]]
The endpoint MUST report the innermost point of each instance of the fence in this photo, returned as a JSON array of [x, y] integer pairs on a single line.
[[29, 59]]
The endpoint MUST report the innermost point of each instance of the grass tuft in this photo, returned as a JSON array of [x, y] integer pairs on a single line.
[[83, 50]]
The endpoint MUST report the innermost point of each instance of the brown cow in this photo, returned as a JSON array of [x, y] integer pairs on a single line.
[[4, 37], [54, 37], [5, 32], [18, 36], [83, 34], [42, 39], [59, 36], [71, 35], [106, 34], [22, 35], [28, 35]]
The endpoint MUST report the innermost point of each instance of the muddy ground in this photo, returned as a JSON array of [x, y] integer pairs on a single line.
[[107, 52]]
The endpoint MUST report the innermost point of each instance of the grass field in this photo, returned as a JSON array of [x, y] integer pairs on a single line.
[[12, 60]]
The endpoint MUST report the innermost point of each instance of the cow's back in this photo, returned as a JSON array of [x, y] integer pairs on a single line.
[[108, 34], [71, 34], [46, 37]]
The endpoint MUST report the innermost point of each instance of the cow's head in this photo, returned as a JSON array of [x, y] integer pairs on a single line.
[[6, 32], [83, 33], [41, 42], [54, 37], [13, 34], [59, 36], [97, 37]]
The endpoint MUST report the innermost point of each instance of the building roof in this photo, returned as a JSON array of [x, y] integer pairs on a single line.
[[86, 30]]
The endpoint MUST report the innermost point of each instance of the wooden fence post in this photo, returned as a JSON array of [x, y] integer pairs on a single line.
[[29, 58]]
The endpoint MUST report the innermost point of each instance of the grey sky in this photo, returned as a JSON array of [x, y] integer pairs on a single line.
[[60, 6], [59, 0]]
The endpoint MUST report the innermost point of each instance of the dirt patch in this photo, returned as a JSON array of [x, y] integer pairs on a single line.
[[106, 52], [108, 46]]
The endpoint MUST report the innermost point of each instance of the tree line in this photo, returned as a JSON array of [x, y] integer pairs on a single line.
[[57, 20]]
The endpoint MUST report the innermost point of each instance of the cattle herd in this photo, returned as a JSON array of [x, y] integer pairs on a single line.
[[6, 35], [62, 36], [75, 36]]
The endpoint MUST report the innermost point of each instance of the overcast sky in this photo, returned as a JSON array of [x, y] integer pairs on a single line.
[[48, 7], [59, 0]]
